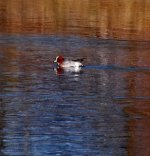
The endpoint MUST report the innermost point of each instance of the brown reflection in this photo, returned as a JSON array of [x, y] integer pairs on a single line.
[[139, 129], [126, 19], [139, 126], [137, 85], [139, 111]]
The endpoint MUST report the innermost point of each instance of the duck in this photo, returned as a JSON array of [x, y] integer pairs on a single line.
[[65, 63]]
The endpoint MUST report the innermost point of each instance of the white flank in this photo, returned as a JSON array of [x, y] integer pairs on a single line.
[[71, 64]]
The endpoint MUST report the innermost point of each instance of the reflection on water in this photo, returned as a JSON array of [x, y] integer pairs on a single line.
[[102, 110], [117, 19], [69, 70]]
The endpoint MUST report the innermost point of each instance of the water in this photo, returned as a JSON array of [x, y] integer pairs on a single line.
[[103, 110], [115, 19]]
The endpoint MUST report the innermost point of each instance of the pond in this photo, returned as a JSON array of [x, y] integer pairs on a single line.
[[103, 110]]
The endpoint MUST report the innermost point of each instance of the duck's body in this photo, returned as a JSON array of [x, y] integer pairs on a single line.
[[63, 63], [71, 64]]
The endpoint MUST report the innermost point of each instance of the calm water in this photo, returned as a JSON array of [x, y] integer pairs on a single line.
[[102, 110], [115, 19]]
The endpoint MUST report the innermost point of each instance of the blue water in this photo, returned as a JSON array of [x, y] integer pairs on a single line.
[[44, 113]]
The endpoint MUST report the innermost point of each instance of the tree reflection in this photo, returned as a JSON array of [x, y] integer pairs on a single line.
[[105, 19]]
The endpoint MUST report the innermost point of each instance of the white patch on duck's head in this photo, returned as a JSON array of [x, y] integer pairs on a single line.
[[59, 60]]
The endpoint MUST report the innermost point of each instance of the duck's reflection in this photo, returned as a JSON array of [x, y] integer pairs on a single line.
[[70, 70]]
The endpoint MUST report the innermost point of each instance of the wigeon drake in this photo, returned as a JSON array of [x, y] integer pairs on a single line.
[[65, 63]]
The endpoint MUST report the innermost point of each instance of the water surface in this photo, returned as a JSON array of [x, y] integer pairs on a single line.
[[107, 19], [102, 110]]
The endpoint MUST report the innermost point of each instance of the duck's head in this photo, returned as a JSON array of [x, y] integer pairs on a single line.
[[59, 60]]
